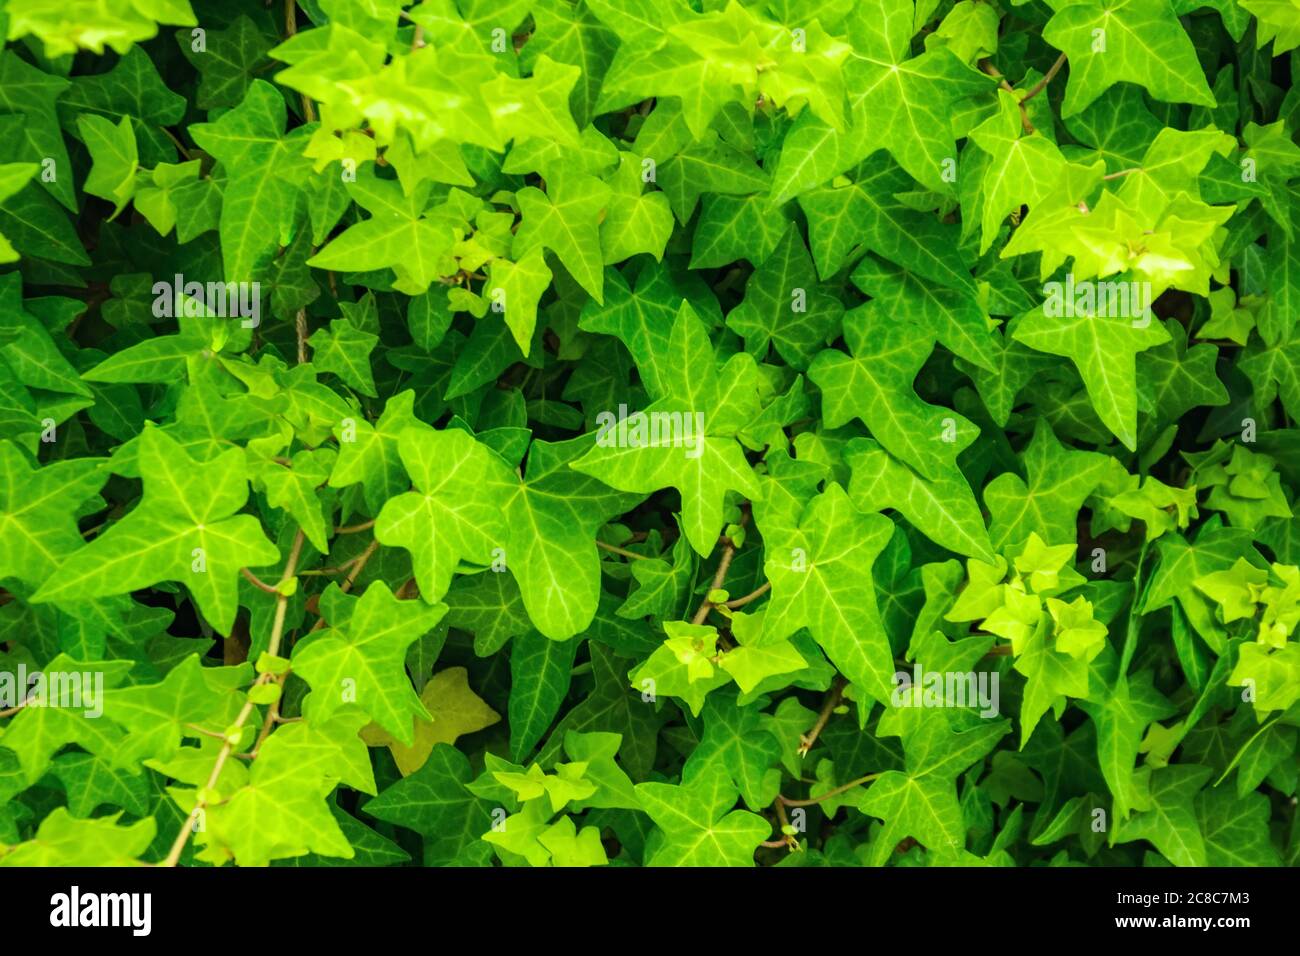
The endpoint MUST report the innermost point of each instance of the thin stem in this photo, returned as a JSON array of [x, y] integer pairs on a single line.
[[786, 840], [1123, 172], [300, 330], [615, 549], [291, 30], [272, 648], [358, 563], [751, 596], [728, 552], [257, 582], [1041, 84], [350, 562], [354, 528], [176, 142], [994, 72], [833, 698], [829, 793]]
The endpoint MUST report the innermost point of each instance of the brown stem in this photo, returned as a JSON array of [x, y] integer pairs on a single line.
[[358, 563], [615, 549], [258, 582], [291, 30], [751, 596], [832, 701], [272, 648], [354, 528], [728, 552], [176, 142], [781, 799], [994, 72], [1041, 84]]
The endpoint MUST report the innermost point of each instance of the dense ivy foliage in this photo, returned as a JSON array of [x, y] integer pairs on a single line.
[[534, 432]]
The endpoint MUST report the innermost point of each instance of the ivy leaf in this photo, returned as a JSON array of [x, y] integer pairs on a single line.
[[228, 63], [908, 99], [697, 829], [344, 349], [38, 527], [1214, 549], [63, 840], [294, 488], [521, 286], [641, 315], [369, 454], [257, 208], [447, 518], [702, 465], [453, 710], [944, 510], [1021, 168], [283, 811], [957, 318], [1170, 823], [186, 529], [682, 666], [160, 716], [663, 587], [13, 177], [36, 733], [361, 656], [398, 235], [552, 516], [1134, 41], [434, 801], [565, 220], [875, 385], [758, 656], [1234, 828], [611, 707], [92, 782], [30, 351], [784, 307], [736, 744], [866, 213], [1059, 481], [116, 159], [1104, 350], [1122, 715], [637, 221], [821, 579], [29, 99], [921, 800], [1051, 677], [540, 670]]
